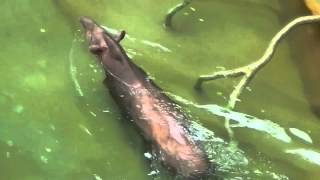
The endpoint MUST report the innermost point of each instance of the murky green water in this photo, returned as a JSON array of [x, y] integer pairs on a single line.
[[57, 120]]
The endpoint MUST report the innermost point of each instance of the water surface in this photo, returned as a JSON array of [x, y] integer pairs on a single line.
[[59, 122]]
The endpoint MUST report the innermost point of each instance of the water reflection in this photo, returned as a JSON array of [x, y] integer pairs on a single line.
[[301, 134], [243, 120], [306, 154]]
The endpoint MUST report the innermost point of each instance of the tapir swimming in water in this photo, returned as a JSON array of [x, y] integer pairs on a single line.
[[162, 124]]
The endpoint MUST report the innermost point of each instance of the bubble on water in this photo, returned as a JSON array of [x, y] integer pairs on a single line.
[[52, 127], [153, 172], [8, 154], [44, 159], [10, 143], [257, 171], [18, 109], [48, 149], [148, 155]]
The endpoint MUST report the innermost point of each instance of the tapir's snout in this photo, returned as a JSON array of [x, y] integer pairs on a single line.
[[94, 34], [87, 23]]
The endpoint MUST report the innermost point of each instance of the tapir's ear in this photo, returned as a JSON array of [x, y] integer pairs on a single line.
[[120, 36]]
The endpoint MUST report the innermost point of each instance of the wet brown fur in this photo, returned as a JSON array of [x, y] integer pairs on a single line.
[[161, 122]]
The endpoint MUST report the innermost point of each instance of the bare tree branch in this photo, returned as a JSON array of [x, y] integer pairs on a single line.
[[173, 11], [249, 71]]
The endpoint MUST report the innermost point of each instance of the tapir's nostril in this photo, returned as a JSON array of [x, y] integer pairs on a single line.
[[95, 49]]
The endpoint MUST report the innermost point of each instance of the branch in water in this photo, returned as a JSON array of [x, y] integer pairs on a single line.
[[249, 71], [173, 11]]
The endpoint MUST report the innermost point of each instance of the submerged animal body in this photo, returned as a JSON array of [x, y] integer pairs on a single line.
[[161, 122]]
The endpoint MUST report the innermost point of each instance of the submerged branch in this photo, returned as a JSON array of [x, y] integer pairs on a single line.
[[173, 11], [249, 71]]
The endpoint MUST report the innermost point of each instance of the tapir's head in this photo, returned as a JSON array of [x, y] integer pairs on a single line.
[[95, 35], [99, 40]]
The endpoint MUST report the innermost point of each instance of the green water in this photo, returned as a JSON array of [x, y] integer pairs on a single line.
[[57, 120]]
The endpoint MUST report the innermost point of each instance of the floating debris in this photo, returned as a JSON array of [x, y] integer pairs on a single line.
[[85, 129], [201, 20], [93, 114], [42, 30], [193, 9], [97, 177], [219, 93]]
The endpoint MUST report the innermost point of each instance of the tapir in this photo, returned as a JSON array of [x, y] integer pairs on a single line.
[[163, 124]]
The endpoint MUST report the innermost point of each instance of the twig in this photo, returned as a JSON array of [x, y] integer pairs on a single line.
[[173, 11], [249, 71]]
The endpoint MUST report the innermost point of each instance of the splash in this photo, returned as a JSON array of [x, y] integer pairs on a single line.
[[230, 161]]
